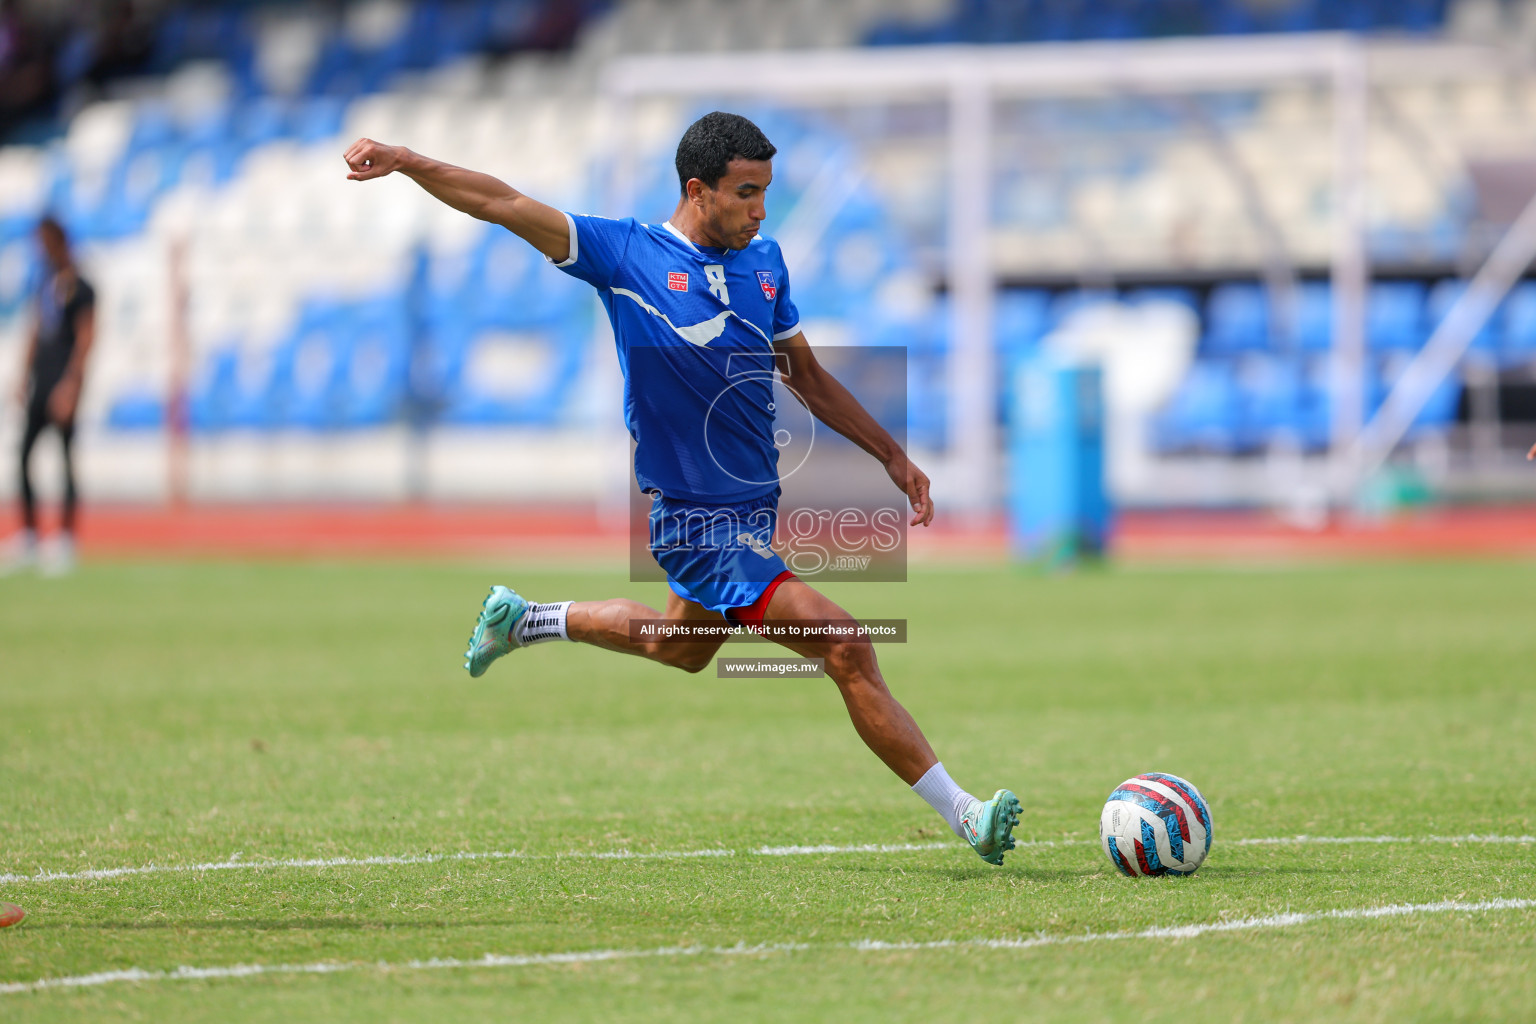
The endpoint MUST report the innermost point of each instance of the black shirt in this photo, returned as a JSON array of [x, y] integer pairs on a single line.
[[60, 301]]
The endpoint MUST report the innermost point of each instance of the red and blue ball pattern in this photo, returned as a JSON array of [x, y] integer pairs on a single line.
[[1156, 824]]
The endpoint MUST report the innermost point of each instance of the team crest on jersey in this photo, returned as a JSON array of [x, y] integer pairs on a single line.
[[677, 280], [766, 282]]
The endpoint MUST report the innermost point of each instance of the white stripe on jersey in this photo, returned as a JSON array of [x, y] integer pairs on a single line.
[[699, 334]]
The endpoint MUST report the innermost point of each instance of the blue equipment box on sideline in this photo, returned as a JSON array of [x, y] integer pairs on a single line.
[[1058, 508]]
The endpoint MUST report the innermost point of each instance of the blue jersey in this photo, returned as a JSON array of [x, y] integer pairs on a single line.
[[695, 328]]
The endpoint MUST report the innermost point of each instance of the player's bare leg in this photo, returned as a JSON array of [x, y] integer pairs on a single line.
[[509, 621], [888, 729], [882, 723], [606, 624]]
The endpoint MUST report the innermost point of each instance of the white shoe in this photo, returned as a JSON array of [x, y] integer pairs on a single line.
[[22, 554], [60, 560]]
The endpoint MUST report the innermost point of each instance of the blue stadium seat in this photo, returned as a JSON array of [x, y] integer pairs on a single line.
[[153, 125], [136, 410], [370, 387], [244, 406], [438, 368], [1415, 15], [471, 404], [318, 118], [1517, 336], [84, 207], [215, 393], [1484, 345], [1394, 316], [511, 24], [1271, 390], [1182, 296], [261, 121], [1237, 319], [1438, 413], [1070, 302], [1312, 320], [1022, 316], [20, 268], [1204, 412], [1314, 415], [459, 28], [295, 388]]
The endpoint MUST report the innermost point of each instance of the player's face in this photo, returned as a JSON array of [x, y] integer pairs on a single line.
[[734, 209], [55, 249]]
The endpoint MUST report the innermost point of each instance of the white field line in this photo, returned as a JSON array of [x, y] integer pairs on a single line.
[[1188, 931], [236, 864]]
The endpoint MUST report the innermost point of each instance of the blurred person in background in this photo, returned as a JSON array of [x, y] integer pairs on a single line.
[[52, 375]]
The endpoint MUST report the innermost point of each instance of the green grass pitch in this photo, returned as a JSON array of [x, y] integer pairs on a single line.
[[207, 712]]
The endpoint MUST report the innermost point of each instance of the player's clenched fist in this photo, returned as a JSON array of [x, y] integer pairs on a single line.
[[369, 159]]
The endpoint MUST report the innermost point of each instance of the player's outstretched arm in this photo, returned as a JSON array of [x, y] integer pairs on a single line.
[[833, 404], [479, 195]]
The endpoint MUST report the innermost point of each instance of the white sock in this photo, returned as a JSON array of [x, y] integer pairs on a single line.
[[944, 796], [543, 623]]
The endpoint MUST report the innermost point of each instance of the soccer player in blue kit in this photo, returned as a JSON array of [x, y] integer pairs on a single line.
[[688, 299]]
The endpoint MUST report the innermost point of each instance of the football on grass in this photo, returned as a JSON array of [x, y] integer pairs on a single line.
[[10, 914], [1155, 824]]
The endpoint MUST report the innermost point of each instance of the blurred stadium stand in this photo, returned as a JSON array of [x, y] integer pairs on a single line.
[[360, 321]]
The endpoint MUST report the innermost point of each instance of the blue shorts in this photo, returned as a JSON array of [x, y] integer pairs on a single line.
[[718, 556]]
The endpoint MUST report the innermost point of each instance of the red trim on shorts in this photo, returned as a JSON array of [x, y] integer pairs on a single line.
[[752, 614]]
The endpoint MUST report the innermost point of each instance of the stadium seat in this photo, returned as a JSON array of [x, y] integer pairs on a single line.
[[260, 121], [1237, 319], [318, 118], [1204, 413], [1181, 296], [1312, 320], [215, 393], [1069, 303], [1021, 317], [19, 265], [1517, 336], [1438, 412], [136, 409], [1271, 399], [1314, 413], [370, 388], [1394, 316], [1442, 297], [478, 401]]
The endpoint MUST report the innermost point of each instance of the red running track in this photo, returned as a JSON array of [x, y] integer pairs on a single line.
[[417, 530]]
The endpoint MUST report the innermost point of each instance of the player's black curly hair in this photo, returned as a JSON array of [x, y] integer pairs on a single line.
[[52, 225], [713, 141]]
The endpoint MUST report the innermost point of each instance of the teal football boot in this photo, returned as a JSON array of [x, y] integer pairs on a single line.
[[496, 631], [989, 826]]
